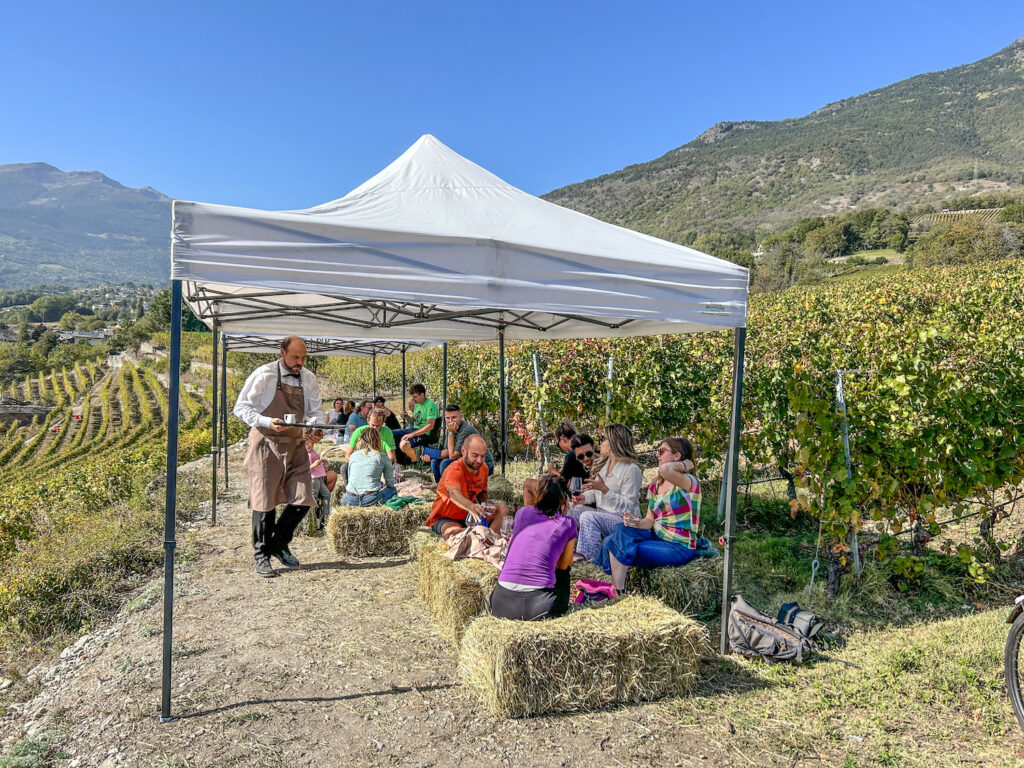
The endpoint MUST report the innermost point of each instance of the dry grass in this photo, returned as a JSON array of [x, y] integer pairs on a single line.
[[455, 592], [636, 649], [376, 531]]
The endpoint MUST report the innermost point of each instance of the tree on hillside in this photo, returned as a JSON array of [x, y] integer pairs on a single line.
[[1013, 213], [830, 241]]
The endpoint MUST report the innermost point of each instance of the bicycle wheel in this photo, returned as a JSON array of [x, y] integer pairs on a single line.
[[1013, 667]]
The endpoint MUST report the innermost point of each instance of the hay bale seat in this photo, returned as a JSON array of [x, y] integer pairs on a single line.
[[420, 538], [500, 489], [634, 649], [455, 592], [376, 531], [694, 589]]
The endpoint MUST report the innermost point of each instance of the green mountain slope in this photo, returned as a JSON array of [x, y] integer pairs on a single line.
[[79, 227], [919, 140]]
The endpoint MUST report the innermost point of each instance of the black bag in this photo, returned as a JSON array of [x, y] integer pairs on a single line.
[[804, 622], [752, 633]]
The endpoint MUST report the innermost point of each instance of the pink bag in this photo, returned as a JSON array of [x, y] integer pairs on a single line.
[[590, 591]]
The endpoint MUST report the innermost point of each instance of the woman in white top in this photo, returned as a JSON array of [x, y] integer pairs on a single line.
[[612, 491]]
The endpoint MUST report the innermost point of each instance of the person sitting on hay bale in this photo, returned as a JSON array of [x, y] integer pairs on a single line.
[[612, 491], [375, 420], [571, 465], [462, 490], [534, 581], [324, 479], [582, 447], [390, 420], [667, 535], [426, 423], [458, 430], [366, 466]]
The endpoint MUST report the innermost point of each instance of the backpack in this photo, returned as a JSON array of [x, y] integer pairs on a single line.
[[590, 591], [753, 633]]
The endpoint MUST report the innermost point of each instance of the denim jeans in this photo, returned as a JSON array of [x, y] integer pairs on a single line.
[[642, 549], [381, 496]]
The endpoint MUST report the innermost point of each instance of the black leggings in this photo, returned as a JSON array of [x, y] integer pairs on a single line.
[[540, 603]]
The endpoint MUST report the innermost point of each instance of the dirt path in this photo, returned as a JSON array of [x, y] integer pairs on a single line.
[[334, 664]]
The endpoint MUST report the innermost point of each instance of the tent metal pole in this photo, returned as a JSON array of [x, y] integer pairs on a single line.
[[170, 500], [730, 481], [401, 395], [444, 376], [224, 403], [215, 419], [374, 364], [501, 395]]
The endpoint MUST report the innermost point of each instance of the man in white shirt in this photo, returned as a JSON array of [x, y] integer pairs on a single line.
[[276, 463]]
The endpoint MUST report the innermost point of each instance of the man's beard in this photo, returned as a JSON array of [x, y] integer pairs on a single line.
[[476, 466]]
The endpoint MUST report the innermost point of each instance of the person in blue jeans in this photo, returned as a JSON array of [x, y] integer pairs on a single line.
[[668, 534], [371, 477], [458, 429]]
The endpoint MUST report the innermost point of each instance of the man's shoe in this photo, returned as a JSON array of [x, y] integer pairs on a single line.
[[286, 557], [264, 568]]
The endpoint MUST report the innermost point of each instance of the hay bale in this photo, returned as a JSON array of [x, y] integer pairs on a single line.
[[455, 592], [500, 489], [420, 538], [635, 649], [376, 531], [694, 589]]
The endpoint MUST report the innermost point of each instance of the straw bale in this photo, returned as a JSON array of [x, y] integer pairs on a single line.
[[455, 592], [635, 649], [376, 531], [694, 589], [500, 489], [420, 538]]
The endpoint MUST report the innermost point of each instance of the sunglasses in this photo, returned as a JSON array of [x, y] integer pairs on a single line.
[[585, 455]]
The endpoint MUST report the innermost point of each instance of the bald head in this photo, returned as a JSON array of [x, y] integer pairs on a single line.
[[293, 353], [474, 450]]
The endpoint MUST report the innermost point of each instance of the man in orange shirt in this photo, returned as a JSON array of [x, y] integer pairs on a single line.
[[462, 490]]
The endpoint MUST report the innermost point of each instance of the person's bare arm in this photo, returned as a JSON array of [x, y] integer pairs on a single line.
[[565, 561], [459, 500], [425, 429], [676, 473]]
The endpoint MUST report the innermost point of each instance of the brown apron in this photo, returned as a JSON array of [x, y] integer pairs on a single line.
[[276, 463]]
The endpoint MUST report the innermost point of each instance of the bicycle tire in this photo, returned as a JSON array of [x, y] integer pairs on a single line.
[[1011, 667]]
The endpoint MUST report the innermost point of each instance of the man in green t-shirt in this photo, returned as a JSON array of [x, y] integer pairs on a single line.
[[458, 429], [375, 421], [424, 417]]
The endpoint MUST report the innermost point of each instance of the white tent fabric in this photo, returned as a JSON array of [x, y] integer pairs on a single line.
[[318, 345], [436, 247]]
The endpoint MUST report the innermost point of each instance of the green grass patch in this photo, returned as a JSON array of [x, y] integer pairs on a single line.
[[925, 695]]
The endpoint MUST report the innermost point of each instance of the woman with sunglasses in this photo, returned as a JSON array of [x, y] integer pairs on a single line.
[[667, 535], [612, 491], [534, 581]]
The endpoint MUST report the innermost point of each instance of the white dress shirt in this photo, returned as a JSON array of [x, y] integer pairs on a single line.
[[623, 494], [259, 389]]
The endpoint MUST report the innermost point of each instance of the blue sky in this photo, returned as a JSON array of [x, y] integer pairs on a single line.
[[286, 105]]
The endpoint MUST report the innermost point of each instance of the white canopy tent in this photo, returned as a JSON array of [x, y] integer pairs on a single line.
[[435, 247]]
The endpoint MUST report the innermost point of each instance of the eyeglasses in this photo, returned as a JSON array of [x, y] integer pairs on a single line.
[[663, 449], [585, 455]]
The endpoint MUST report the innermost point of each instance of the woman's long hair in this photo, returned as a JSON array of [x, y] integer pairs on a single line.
[[620, 440], [679, 445], [369, 440], [552, 494]]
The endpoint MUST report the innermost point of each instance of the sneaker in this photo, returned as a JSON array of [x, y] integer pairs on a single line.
[[264, 568], [286, 557]]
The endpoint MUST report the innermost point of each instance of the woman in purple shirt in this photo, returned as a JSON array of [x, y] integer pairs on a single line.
[[534, 582]]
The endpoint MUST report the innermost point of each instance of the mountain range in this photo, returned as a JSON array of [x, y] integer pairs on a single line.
[[933, 136], [79, 228], [930, 137]]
